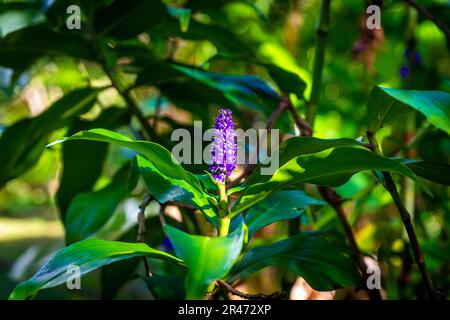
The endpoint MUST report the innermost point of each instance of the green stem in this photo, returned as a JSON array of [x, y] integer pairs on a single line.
[[390, 186], [319, 58]]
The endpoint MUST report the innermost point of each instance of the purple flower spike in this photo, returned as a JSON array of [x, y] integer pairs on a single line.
[[224, 147]]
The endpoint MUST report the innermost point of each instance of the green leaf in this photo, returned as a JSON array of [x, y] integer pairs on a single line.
[[385, 103], [431, 170], [280, 205], [310, 256], [221, 37], [159, 164], [165, 287], [19, 49], [85, 158], [22, 144], [125, 19], [115, 275], [88, 255], [89, 211], [165, 189], [299, 146], [207, 258], [327, 168]]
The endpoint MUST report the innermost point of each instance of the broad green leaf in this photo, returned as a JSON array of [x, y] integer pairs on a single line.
[[159, 162], [385, 103], [299, 146], [115, 275], [85, 158], [19, 49], [89, 211], [280, 205], [22, 143], [88, 255], [431, 170], [328, 168], [126, 19], [207, 258], [310, 256]]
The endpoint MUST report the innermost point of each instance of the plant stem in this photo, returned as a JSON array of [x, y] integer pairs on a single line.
[[319, 58], [390, 186], [224, 226], [124, 93]]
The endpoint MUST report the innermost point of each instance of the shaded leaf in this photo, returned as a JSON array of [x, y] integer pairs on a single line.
[[431, 170], [88, 255], [19, 49], [125, 19], [89, 211], [85, 158]]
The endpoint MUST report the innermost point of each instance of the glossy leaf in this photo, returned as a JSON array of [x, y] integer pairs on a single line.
[[385, 103], [207, 258], [89, 211], [332, 169], [88, 255], [280, 205], [22, 144], [310, 256], [159, 163]]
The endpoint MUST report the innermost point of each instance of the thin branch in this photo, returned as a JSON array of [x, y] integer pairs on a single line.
[[336, 203], [142, 230], [424, 12], [390, 186], [258, 296]]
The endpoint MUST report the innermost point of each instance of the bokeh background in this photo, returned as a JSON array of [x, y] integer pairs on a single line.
[[238, 37]]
